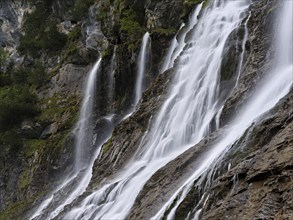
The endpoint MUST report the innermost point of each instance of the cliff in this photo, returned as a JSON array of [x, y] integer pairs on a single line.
[[47, 49]]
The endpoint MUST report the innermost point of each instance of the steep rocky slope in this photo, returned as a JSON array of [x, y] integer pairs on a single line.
[[34, 162], [254, 180]]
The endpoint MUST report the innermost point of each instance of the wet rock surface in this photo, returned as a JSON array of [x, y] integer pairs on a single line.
[[258, 184]]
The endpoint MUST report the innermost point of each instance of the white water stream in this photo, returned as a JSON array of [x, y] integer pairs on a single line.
[[268, 93], [142, 61], [179, 41], [83, 161], [84, 124], [183, 120]]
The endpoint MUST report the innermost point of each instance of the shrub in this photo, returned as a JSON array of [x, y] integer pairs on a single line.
[[81, 8], [40, 32], [16, 103], [38, 76], [3, 56], [129, 24]]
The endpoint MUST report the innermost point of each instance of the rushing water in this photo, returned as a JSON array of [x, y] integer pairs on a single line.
[[83, 160], [179, 41], [141, 68], [111, 80], [84, 124], [268, 93], [183, 120]]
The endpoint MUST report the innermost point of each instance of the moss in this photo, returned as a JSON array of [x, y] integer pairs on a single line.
[[81, 8], [75, 33], [129, 24], [16, 103], [70, 49], [164, 31], [15, 210], [192, 2], [103, 10], [63, 110], [33, 145], [107, 146], [3, 55], [24, 179]]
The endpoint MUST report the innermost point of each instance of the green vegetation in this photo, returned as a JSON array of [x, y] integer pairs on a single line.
[[71, 46], [40, 31], [107, 146], [81, 8], [33, 145], [164, 31], [104, 10], [129, 25], [192, 2], [60, 109], [3, 56], [16, 103]]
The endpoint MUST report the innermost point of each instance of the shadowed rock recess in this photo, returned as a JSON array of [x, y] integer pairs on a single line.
[[135, 165]]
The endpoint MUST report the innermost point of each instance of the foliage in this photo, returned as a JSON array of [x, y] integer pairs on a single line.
[[3, 56], [80, 8], [192, 2], [108, 145], [164, 31], [5, 79], [16, 103], [10, 141], [33, 76], [129, 24], [40, 32], [38, 76], [104, 8]]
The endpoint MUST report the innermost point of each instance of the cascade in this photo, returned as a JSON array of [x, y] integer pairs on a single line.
[[179, 41], [111, 81], [82, 158], [267, 94], [84, 124], [183, 120], [142, 62], [243, 49], [174, 44]]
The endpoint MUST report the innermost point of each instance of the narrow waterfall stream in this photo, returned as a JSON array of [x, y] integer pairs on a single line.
[[67, 191], [183, 120], [111, 80], [142, 61], [84, 124]]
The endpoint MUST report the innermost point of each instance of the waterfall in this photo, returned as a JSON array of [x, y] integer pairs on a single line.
[[179, 41], [243, 49], [174, 44], [142, 61], [84, 135], [183, 120], [267, 94], [84, 126], [111, 81]]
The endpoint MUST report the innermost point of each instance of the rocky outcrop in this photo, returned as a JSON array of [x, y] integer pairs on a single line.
[[259, 185], [11, 15], [258, 53]]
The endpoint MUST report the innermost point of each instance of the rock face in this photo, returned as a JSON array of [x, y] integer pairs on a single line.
[[11, 15], [258, 183]]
